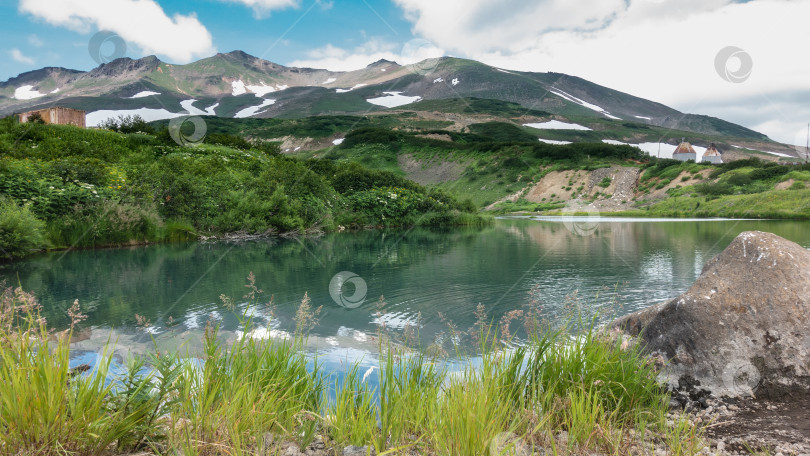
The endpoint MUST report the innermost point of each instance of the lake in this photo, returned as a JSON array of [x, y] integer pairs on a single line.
[[432, 280]]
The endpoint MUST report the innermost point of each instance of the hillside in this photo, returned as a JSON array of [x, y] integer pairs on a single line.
[[501, 167], [67, 187], [239, 85]]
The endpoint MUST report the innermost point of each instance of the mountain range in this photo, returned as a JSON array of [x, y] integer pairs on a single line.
[[239, 85]]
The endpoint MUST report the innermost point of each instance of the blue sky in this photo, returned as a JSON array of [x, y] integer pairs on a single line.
[[662, 50], [281, 36]]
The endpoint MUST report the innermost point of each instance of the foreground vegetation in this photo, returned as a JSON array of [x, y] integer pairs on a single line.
[[568, 391], [62, 186]]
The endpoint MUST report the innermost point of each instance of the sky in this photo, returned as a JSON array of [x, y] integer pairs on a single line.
[[745, 61]]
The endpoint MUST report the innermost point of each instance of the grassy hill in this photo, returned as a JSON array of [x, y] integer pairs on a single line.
[[62, 186]]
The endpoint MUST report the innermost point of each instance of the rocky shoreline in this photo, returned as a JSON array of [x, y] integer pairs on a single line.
[[737, 346]]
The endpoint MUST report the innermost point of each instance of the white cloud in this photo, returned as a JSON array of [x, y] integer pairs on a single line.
[[142, 23], [335, 58], [507, 25], [663, 50], [18, 56], [261, 8]]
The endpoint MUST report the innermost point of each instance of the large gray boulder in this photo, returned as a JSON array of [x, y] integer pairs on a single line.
[[743, 328]]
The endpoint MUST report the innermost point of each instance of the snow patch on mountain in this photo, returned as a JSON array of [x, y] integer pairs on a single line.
[[145, 93], [260, 90], [553, 141], [253, 110], [556, 125], [188, 105], [238, 88], [56, 90], [655, 149], [393, 99], [27, 92], [349, 90], [437, 80], [148, 114], [642, 117], [338, 141], [584, 103], [778, 154], [329, 81], [455, 81]]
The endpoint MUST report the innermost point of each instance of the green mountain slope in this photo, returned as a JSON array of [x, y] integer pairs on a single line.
[[230, 84]]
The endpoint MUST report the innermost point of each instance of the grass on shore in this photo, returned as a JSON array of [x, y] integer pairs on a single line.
[[568, 392]]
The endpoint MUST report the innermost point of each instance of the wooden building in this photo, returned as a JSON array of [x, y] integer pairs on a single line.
[[684, 152], [57, 115], [712, 155]]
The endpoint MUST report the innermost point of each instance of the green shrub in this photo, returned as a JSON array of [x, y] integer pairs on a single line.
[[353, 177], [77, 169], [20, 230], [769, 172], [715, 189], [232, 141], [739, 180], [105, 223], [372, 136], [127, 124], [502, 132]]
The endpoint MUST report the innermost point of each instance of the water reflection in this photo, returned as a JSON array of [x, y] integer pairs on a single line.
[[428, 278]]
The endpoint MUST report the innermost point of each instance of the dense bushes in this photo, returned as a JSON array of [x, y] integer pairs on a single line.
[[127, 124], [715, 189], [769, 172], [20, 230], [353, 177], [234, 142], [105, 222], [372, 136], [94, 187], [581, 151], [502, 132]]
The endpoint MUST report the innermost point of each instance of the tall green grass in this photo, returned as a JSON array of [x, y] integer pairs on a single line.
[[241, 393], [570, 390], [44, 409]]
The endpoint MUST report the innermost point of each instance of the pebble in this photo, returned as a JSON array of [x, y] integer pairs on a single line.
[[356, 451]]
